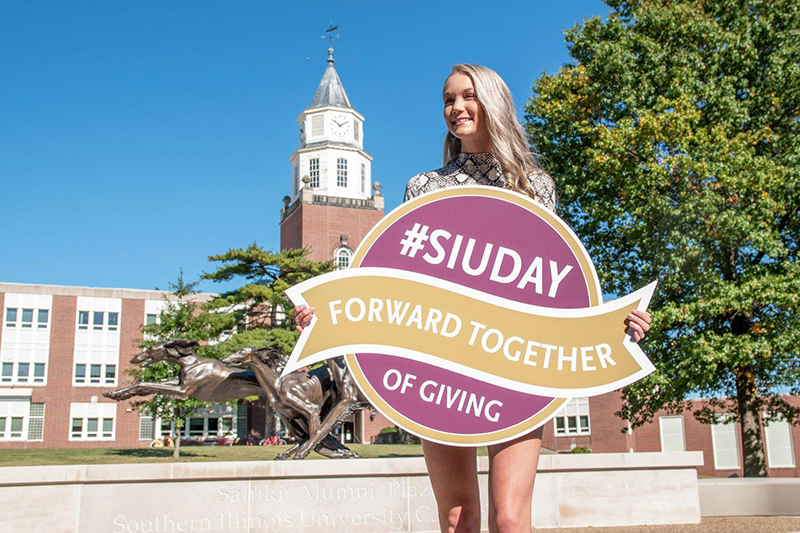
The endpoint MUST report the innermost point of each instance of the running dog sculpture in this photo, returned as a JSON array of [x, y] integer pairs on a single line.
[[204, 379], [311, 405]]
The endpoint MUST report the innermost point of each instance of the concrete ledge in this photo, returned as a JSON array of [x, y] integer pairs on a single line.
[[370, 495], [129, 473], [750, 497]]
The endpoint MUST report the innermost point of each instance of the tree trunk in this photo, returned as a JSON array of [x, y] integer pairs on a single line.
[[176, 452], [752, 438]]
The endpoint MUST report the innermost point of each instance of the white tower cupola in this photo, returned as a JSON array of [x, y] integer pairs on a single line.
[[331, 150]]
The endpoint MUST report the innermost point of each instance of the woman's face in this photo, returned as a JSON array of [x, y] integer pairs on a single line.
[[464, 115]]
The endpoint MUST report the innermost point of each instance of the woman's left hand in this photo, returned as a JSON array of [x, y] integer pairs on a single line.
[[639, 322]]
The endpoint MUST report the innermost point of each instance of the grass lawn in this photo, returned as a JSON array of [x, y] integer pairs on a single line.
[[88, 456]]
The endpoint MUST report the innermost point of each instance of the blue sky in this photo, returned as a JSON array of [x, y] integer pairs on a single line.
[[137, 138]]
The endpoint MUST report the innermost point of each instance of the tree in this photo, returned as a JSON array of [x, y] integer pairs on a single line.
[[674, 138], [179, 319], [257, 313]]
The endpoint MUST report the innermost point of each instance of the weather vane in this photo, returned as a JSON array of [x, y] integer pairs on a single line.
[[330, 34]]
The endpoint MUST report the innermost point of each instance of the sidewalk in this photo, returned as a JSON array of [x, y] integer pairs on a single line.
[[717, 524]]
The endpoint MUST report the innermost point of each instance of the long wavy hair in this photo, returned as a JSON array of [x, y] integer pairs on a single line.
[[509, 144]]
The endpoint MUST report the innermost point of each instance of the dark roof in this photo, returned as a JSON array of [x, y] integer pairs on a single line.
[[330, 90]]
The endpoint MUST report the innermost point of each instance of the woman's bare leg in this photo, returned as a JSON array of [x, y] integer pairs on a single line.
[[454, 475], [512, 470]]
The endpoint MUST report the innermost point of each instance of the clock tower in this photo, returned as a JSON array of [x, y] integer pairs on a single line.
[[332, 201]]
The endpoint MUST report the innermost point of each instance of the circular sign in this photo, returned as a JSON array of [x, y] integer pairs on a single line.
[[499, 243]]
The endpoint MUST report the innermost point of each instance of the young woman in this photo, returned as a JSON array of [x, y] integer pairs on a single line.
[[485, 145]]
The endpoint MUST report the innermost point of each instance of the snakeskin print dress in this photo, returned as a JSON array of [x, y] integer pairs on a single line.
[[478, 169]]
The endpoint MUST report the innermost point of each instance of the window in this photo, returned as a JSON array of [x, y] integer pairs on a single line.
[[313, 171], [113, 321], [780, 451], [99, 374], [100, 321], [341, 172], [14, 416], [38, 372], [150, 319], [573, 418], [342, 257], [11, 317], [296, 178], [672, 434], [43, 318], [92, 421], [196, 427], [27, 318], [356, 130], [23, 372], [24, 319], [147, 427], [11, 427], [726, 445], [363, 178], [317, 126], [36, 422]]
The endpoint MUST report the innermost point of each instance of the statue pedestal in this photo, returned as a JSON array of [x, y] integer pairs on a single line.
[[370, 495]]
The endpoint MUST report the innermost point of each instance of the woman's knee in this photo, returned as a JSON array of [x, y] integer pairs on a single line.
[[462, 519], [509, 520]]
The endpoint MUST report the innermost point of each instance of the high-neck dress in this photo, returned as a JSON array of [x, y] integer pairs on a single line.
[[478, 169]]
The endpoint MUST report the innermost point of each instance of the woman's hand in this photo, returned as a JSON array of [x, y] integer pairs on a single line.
[[302, 316], [639, 322]]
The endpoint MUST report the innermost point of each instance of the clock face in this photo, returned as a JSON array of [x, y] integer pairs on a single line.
[[341, 125]]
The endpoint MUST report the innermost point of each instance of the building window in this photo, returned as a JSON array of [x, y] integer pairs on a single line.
[[92, 421], [725, 442], [672, 435], [11, 317], [296, 178], [313, 171], [11, 427], [780, 449], [83, 319], [573, 418], [342, 257], [356, 130], [150, 319], [14, 417], [42, 319], [100, 320], [98, 374], [22, 372], [363, 178], [147, 427], [317, 126], [341, 172], [36, 422], [25, 319]]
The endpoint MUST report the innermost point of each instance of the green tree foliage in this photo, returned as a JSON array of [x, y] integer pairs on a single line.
[[673, 138], [260, 302], [178, 319], [258, 313]]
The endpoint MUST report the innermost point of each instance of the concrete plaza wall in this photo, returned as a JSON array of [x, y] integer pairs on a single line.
[[750, 497], [370, 495]]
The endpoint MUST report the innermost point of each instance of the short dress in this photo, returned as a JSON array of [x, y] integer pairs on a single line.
[[478, 169]]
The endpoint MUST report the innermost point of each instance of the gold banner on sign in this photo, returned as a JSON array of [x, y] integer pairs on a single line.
[[558, 352]]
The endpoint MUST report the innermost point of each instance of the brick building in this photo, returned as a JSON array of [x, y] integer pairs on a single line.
[[61, 347]]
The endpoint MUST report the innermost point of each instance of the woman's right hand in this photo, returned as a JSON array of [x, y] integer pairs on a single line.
[[302, 316]]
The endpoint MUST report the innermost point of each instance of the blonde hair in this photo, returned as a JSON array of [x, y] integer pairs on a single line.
[[509, 144]]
